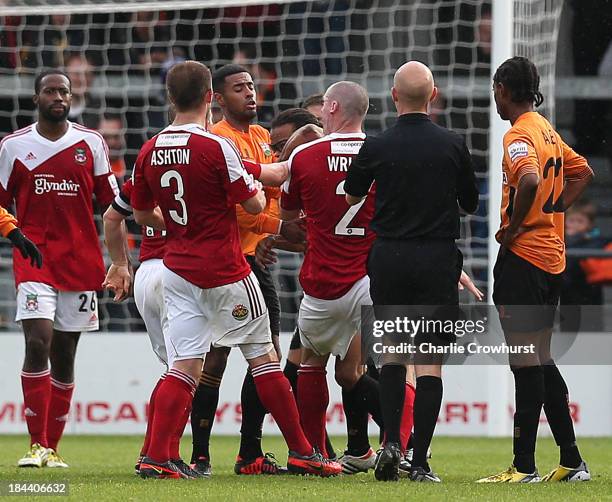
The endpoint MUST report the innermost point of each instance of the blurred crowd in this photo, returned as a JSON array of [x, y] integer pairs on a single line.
[[279, 43]]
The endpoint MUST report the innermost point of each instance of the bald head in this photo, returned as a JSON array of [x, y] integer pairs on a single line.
[[352, 99], [413, 85]]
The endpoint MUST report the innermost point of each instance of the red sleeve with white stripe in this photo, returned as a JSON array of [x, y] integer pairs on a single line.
[[141, 197], [241, 185], [290, 195], [105, 183]]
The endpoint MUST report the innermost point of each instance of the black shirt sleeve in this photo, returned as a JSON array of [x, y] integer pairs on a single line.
[[467, 191], [360, 174]]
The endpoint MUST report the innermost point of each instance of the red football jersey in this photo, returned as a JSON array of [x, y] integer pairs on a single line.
[[153, 244], [52, 184], [196, 178], [339, 237]]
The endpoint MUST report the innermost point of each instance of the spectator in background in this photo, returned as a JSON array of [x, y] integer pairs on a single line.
[[272, 95], [151, 46], [583, 276], [111, 128], [85, 108], [313, 104]]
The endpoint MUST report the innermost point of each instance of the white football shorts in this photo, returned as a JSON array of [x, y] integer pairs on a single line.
[[233, 315], [328, 326], [73, 311], [149, 299]]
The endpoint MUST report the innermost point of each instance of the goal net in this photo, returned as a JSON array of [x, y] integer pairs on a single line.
[[118, 53]]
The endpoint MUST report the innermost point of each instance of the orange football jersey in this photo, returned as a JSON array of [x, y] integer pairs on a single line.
[[533, 146], [255, 146]]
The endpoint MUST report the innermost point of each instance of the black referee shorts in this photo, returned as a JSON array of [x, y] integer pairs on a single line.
[[268, 289], [526, 296], [415, 272]]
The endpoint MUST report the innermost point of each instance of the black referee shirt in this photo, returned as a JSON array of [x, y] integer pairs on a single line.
[[421, 171]]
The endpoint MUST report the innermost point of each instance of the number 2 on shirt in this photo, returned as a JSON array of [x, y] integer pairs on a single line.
[[342, 227]]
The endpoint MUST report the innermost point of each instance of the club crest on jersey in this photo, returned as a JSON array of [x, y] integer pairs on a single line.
[[266, 148], [31, 304], [80, 155], [240, 312]]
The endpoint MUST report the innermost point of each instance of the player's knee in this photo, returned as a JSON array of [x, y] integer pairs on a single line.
[[347, 377], [37, 351], [216, 361], [254, 350]]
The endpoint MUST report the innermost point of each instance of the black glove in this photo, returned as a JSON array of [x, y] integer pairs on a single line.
[[26, 246]]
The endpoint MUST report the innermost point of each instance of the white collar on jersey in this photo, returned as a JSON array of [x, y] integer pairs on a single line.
[[339, 135], [58, 141], [183, 127]]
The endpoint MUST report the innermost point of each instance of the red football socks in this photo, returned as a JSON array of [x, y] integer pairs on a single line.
[[175, 443], [407, 416], [275, 393], [36, 397], [150, 413], [313, 399], [59, 408], [171, 400]]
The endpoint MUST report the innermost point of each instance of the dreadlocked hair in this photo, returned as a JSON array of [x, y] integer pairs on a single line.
[[520, 76]]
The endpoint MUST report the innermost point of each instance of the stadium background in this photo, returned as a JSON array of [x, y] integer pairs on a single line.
[[118, 54]]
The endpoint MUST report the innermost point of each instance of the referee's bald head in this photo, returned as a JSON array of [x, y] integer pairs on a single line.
[[413, 87]]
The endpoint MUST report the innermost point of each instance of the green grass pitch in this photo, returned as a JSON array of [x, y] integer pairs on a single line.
[[102, 469]]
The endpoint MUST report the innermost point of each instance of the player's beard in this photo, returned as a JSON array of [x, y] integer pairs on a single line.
[[54, 117]]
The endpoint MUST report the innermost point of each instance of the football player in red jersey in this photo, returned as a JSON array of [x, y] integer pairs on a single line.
[[51, 170], [211, 295], [148, 289], [333, 275]]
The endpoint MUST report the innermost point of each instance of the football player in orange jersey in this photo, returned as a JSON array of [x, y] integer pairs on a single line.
[[236, 95], [542, 177]]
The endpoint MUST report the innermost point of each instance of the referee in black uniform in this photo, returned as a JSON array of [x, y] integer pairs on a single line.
[[423, 173]]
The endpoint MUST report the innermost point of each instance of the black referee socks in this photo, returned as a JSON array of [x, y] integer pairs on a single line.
[[361, 400], [556, 407], [253, 415], [427, 402], [529, 398], [393, 380]]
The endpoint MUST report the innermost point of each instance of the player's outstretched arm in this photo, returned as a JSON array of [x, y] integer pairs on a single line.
[[118, 277], [257, 203], [275, 174]]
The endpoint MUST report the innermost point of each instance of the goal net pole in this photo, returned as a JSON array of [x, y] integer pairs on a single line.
[[498, 376]]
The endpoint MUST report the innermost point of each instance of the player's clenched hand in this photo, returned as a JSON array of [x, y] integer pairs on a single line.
[[465, 282], [294, 230], [27, 248], [304, 134], [264, 255], [118, 279]]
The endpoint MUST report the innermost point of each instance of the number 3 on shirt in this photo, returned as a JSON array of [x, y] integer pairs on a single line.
[[342, 227], [181, 219]]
